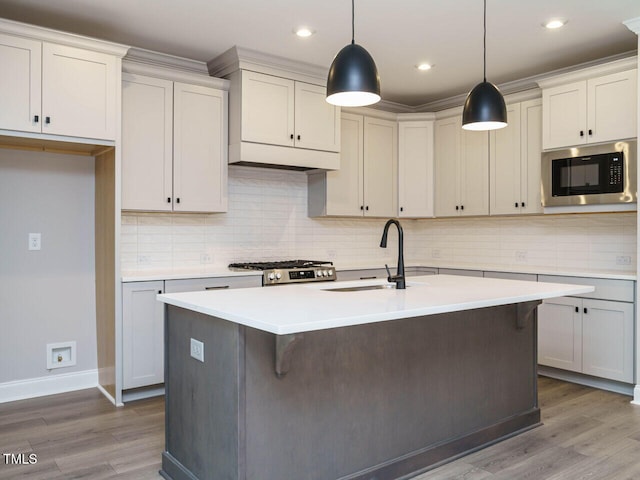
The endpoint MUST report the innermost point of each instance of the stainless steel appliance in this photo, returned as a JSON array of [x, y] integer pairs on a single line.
[[594, 174], [290, 271]]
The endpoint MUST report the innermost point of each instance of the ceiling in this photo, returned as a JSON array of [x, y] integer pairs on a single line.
[[398, 34]]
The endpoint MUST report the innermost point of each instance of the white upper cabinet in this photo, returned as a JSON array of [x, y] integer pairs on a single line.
[[58, 89], [596, 110], [415, 169], [174, 146], [20, 92], [317, 122], [515, 161], [366, 184], [462, 170]]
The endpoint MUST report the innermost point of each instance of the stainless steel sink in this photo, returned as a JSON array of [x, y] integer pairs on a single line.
[[359, 288]]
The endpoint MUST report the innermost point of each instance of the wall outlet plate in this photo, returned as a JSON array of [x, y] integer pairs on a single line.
[[61, 355], [35, 241], [197, 349]]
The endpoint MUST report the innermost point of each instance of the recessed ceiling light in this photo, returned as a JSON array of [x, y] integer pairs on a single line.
[[304, 32], [554, 23], [424, 66]]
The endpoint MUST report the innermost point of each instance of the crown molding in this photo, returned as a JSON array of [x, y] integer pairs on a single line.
[[633, 24], [240, 58], [169, 67], [584, 71], [62, 38]]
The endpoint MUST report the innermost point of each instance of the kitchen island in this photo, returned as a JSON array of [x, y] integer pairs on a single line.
[[348, 380]]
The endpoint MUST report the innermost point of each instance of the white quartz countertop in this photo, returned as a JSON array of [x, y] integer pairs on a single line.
[[298, 308]]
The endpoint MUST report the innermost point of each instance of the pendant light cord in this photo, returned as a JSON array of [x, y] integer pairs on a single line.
[[484, 71], [353, 21]]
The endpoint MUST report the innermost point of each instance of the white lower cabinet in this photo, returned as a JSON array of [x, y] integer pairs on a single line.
[[589, 336], [142, 334]]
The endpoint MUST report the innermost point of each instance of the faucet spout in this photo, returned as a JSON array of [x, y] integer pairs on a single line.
[[398, 278]]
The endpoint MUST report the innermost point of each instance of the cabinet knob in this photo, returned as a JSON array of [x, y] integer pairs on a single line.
[[582, 133], [577, 309], [177, 200], [36, 118], [361, 207], [457, 207], [402, 209], [159, 292], [168, 199], [516, 204], [367, 207], [47, 120], [292, 136], [585, 310], [590, 132], [461, 207], [522, 204], [298, 137]]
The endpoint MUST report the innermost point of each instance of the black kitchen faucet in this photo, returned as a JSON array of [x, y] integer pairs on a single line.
[[399, 277]]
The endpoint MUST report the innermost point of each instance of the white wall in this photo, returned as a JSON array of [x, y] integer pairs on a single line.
[[267, 220], [46, 296]]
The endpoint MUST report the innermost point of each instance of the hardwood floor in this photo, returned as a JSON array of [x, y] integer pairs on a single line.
[[587, 434]]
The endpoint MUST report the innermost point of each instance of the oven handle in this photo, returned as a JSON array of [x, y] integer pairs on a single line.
[[220, 287]]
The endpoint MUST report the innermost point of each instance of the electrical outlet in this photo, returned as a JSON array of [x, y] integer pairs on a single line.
[[521, 256], [144, 259], [206, 258], [35, 241], [623, 260], [436, 253], [197, 350]]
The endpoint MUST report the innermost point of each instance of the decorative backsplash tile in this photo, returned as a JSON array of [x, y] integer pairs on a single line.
[[267, 220]]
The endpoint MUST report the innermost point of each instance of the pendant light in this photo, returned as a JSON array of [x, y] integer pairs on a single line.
[[484, 108], [353, 79]]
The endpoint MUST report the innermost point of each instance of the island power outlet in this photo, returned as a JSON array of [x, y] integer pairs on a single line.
[[197, 350]]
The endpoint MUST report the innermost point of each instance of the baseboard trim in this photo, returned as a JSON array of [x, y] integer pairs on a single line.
[[142, 393], [109, 396], [50, 385], [636, 395]]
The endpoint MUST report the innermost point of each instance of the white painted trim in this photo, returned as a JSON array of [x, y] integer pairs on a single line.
[[636, 395], [614, 207], [49, 385], [588, 380], [141, 394], [616, 66], [109, 397]]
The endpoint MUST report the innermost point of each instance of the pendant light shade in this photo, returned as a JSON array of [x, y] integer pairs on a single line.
[[484, 108], [353, 79]]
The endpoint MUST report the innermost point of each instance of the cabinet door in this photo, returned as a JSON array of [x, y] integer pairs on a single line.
[[147, 143], [531, 151], [564, 110], [142, 334], [607, 340], [560, 333], [345, 186], [415, 169], [612, 106], [267, 109], [20, 85], [447, 159], [199, 149], [78, 92], [505, 158], [317, 121], [474, 173], [380, 168]]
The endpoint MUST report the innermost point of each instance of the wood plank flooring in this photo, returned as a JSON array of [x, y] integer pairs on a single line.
[[587, 434]]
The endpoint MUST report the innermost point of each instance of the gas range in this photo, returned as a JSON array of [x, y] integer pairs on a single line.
[[290, 271]]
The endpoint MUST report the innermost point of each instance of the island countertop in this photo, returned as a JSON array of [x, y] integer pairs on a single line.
[[299, 308]]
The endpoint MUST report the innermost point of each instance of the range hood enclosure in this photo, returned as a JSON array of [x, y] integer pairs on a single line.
[[278, 115]]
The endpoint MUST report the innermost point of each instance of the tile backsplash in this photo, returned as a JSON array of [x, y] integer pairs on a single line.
[[267, 220]]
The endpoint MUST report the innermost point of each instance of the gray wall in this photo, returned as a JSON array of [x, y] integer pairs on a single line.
[[46, 296]]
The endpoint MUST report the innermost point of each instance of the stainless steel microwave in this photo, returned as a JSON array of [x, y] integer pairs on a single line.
[[590, 175]]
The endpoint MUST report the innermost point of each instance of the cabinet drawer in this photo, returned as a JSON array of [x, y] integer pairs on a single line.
[[364, 274], [196, 284], [606, 289], [530, 277]]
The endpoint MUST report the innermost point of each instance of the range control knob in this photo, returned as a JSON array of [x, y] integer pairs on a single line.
[[331, 273], [325, 273], [278, 275], [272, 276], [319, 273]]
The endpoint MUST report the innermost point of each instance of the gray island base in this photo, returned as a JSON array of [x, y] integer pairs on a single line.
[[378, 401]]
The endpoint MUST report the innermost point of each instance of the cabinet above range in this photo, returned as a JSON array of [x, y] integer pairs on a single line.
[[278, 115]]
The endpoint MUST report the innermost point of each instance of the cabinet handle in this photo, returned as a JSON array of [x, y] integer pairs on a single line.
[[585, 310], [367, 207], [461, 207], [159, 292], [292, 136], [168, 199], [590, 132], [516, 204], [402, 209], [582, 133], [217, 287], [36, 118], [457, 207], [298, 137], [577, 309], [361, 207], [523, 204], [178, 200], [368, 278], [47, 120]]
